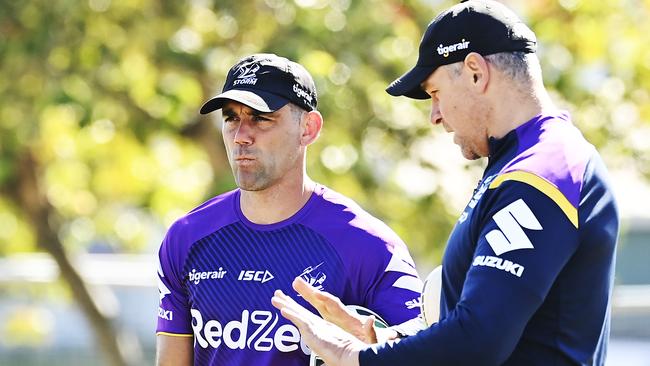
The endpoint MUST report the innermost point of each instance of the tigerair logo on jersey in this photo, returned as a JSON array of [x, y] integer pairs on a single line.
[[509, 236], [196, 277], [254, 330]]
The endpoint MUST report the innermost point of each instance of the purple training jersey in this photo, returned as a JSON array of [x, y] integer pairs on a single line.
[[218, 272]]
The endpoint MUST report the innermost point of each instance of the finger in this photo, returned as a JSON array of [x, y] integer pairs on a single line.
[[278, 301], [329, 301], [327, 304], [307, 291], [334, 306], [281, 301], [312, 294], [281, 295], [369, 334], [304, 320], [295, 318]]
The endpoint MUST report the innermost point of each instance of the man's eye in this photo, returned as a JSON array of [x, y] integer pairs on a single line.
[[261, 119]]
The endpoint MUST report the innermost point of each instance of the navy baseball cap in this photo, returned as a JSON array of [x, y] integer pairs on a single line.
[[266, 82], [482, 26]]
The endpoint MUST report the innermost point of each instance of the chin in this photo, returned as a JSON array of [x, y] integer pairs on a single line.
[[251, 186], [470, 155]]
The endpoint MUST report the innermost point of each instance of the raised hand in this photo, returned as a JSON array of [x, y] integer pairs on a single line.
[[334, 311], [330, 342]]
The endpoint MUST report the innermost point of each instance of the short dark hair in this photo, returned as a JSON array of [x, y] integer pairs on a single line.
[[296, 111], [516, 65]]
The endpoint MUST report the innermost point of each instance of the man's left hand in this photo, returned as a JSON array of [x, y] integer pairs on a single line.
[[334, 345]]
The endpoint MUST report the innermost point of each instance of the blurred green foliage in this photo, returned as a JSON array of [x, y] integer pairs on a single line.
[[105, 94]]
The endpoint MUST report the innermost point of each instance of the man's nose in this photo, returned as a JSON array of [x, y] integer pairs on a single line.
[[244, 134], [435, 117]]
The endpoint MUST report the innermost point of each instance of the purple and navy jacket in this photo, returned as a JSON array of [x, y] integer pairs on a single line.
[[528, 269], [218, 272]]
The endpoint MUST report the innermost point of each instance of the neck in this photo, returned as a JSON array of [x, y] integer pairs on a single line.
[[516, 107], [277, 203]]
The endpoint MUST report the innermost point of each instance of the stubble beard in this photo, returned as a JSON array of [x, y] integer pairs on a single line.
[[257, 180], [469, 154]]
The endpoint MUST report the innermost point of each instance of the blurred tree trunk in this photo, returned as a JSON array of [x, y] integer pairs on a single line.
[[28, 195]]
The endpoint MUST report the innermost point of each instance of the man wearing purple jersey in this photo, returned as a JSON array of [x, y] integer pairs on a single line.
[[528, 269], [220, 264]]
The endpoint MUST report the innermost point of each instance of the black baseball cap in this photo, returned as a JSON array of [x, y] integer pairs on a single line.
[[482, 26], [266, 82]]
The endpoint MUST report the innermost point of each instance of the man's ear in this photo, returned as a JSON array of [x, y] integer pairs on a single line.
[[478, 70], [313, 123]]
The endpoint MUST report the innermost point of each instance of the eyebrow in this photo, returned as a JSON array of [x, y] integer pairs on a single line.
[[230, 112], [258, 113]]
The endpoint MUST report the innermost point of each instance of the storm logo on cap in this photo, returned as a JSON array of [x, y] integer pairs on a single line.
[[246, 75], [444, 51]]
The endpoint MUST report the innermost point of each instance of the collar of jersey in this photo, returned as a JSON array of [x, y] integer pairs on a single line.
[[280, 224]]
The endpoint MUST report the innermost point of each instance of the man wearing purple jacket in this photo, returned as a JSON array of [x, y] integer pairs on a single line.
[[220, 264]]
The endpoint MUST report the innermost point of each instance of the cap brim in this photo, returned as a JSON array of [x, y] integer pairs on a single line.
[[409, 84], [258, 100]]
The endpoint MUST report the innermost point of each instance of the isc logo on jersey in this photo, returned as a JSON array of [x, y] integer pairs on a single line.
[[255, 330], [255, 276]]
